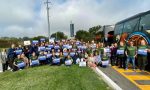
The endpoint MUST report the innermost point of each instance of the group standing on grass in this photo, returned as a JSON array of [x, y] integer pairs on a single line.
[[68, 52]]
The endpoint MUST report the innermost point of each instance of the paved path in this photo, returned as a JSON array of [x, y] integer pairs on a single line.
[[138, 78], [123, 82]]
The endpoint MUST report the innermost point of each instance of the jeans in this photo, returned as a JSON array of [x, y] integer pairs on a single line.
[[130, 58]]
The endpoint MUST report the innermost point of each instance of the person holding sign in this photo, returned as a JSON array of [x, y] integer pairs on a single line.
[[104, 60], [121, 55], [34, 59], [131, 53], [68, 61], [142, 55], [18, 63]]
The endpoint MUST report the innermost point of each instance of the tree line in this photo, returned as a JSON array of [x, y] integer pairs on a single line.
[[94, 33]]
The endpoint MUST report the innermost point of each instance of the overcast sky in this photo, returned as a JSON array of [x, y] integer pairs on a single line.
[[19, 18]]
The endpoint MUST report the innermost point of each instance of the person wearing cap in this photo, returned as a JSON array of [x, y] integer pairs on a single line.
[[142, 55], [131, 53]]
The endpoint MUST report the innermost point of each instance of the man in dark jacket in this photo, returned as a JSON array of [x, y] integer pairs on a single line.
[[11, 56]]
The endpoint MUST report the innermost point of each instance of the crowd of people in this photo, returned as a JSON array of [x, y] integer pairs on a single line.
[[68, 52]]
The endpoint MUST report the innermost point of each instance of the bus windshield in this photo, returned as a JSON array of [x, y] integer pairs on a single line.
[[131, 25], [118, 29], [145, 23]]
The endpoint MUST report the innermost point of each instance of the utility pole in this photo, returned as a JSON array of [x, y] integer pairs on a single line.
[[56, 35], [48, 21]]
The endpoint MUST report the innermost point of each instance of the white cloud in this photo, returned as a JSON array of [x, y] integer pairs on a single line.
[[28, 17]]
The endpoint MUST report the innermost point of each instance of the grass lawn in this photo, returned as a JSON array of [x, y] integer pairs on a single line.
[[52, 78]]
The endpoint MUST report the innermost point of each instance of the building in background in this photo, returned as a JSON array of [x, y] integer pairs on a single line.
[[71, 29], [108, 31]]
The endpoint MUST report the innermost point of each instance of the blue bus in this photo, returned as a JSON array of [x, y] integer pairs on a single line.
[[135, 28]]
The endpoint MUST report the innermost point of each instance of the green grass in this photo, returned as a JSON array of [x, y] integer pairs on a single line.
[[52, 78]]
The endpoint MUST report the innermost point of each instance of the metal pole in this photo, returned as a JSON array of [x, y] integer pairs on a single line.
[[56, 35], [48, 21]]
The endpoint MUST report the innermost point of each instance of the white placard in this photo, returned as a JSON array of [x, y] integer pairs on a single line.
[[27, 43], [51, 40]]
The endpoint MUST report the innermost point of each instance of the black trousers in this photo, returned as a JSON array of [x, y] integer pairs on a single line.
[[121, 61], [5, 66], [11, 64], [113, 60]]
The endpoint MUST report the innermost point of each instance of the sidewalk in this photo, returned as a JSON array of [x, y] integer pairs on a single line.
[[120, 80]]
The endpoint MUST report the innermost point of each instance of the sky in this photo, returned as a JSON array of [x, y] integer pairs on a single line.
[[20, 18]]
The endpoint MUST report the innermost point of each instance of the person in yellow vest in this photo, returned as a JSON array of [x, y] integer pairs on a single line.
[[142, 55]]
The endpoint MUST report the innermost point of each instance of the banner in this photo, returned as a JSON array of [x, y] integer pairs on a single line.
[[35, 42]]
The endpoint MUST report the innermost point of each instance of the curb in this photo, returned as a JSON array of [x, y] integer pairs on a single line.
[[110, 83]]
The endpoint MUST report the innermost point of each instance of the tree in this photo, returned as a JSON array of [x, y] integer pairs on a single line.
[[95, 32], [83, 35], [25, 38], [38, 37], [59, 36]]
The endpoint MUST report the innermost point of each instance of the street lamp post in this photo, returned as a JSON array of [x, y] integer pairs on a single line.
[[48, 21]]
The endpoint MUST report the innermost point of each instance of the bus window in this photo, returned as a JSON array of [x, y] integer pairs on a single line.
[[145, 23], [131, 25], [118, 29]]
